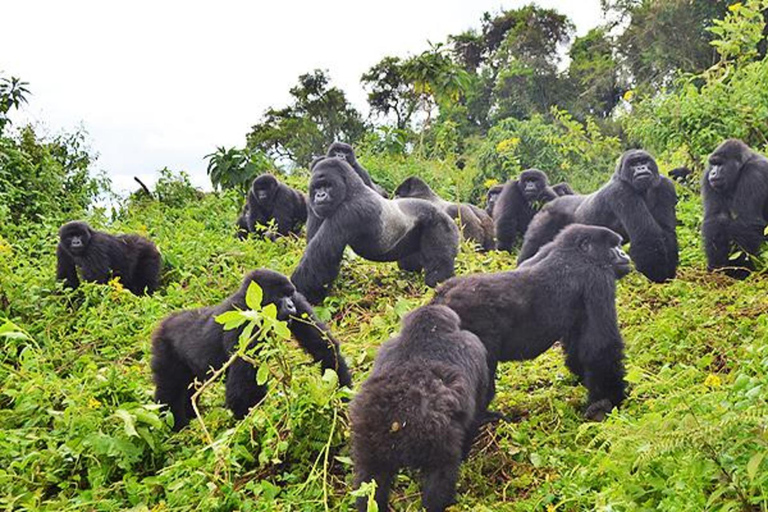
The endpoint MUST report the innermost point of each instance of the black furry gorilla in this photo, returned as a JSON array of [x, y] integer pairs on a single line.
[[518, 202], [475, 224], [735, 193], [345, 151], [269, 199], [413, 232], [566, 292], [680, 174], [491, 198], [420, 407], [637, 203], [100, 256], [188, 344], [563, 189]]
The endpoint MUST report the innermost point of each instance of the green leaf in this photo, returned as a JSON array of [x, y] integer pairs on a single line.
[[262, 374], [754, 464], [270, 311], [254, 296], [231, 320], [128, 422]]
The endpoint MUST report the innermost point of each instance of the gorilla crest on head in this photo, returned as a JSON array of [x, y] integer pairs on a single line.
[[639, 169], [735, 193], [269, 200]]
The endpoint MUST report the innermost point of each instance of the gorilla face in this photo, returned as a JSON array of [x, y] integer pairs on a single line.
[[327, 190], [602, 247], [264, 188], [639, 169], [493, 196], [532, 183], [277, 290], [343, 151], [725, 164], [75, 237]]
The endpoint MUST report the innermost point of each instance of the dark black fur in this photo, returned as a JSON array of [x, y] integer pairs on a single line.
[[563, 189], [413, 232], [420, 407], [735, 193], [566, 292], [475, 224], [345, 151], [100, 256], [637, 203], [491, 198], [680, 174], [517, 204], [268, 200], [188, 344]]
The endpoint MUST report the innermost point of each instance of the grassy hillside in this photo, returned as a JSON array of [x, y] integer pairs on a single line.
[[79, 430]]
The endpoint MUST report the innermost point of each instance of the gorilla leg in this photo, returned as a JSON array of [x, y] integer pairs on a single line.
[[411, 263], [383, 479], [439, 247], [172, 381], [439, 487], [242, 391]]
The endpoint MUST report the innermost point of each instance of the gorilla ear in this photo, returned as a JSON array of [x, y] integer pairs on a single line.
[[585, 244]]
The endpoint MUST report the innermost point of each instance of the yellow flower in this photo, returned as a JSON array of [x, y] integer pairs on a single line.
[[490, 182], [735, 7], [116, 284], [507, 144], [629, 95], [712, 381], [93, 403]]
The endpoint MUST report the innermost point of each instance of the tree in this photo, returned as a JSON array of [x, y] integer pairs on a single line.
[[390, 92], [13, 92], [594, 74], [236, 168]]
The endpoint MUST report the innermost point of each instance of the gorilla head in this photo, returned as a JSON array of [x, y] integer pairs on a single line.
[[492, 197], [328, 186], [264, 188], [74, 237], [593, 245], [276, 289], [532, 183], [639, 169], [415, 187], [344, 151], [725, 164]]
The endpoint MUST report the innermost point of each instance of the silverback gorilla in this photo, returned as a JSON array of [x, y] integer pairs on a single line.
[[566, 292], [735, 193], [637, 203], [100, 256], [413, 232], [188, 344], [475, 224], [518, 202], [268, 200], [420, 407]]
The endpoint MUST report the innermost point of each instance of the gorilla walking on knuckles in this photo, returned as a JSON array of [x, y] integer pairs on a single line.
[[518, 202], [735, 193], [420, 407], [637, 203], [100, 256], [566, 292], [413, 232], [189, 344], [268, 200], [475, 224]]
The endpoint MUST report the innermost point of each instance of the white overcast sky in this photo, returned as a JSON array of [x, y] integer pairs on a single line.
[[162, 83]]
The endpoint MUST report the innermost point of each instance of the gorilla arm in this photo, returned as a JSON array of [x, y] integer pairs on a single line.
[[65, 268], [321, 261], [749, 221]]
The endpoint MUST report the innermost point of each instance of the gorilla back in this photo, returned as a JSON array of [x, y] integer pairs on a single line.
[[413, 232], [566, 292], [637, 203]]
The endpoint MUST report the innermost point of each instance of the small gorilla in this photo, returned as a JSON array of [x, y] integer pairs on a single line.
[[491, 198], [563, 189], [566, 292], [345, 151], [475, 224], [269, 199], [518, 203], [100, 256], [680, 174], [420, 407], [189, 344], [637, 203], [413, 232], [735, 193]]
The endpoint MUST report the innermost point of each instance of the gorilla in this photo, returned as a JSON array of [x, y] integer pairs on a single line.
[[563, 189], [637, 203], [475, 224], [680, 174], [735, 193], [413, 232], [187, 345], [100, 256], [420, 407], [345, 151], [269, 199], [566, 292], [518, 202], [491, 197]]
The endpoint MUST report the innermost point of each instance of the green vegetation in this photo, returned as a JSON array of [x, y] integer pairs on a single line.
[[78, 426]]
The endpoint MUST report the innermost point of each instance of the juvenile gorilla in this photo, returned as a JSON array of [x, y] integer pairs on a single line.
[[345, 151], [637, 203], [420, 407], [566, 292], [413, 232], [269, 199], [189, 344], [475, 224], [735, 193], [680, 174], [518, 202], [100, 256], [563, 189], [491, 198]]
